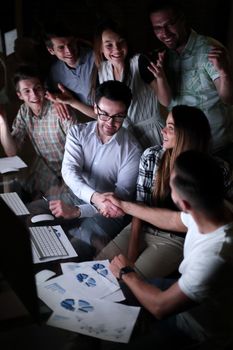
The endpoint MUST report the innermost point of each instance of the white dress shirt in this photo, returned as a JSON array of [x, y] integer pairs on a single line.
[[90, 166]]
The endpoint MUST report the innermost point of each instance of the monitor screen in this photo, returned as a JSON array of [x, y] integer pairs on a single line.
[[16, 264]]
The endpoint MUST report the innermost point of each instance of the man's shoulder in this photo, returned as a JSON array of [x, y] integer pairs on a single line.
[[153, 151], [23, 110], [206, 42], [128, 137], [84, 128], [57, 67], [86, 55]]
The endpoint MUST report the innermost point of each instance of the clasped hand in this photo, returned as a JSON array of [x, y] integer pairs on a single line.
[[106, 205]]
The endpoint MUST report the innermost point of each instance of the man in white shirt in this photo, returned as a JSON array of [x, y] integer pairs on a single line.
[[100, 157], [196, 309]]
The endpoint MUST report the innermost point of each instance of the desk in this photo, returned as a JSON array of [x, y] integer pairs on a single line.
[[17, 329], [30, 183]]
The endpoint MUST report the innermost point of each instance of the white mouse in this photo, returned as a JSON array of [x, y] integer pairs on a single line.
[[42, 217]]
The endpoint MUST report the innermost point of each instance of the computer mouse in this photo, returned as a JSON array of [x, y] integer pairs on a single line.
[[42, 217], [44, 275]]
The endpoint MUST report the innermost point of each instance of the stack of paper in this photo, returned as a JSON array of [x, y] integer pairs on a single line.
[[83, 300]]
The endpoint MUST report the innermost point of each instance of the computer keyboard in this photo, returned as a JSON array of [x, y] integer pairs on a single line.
[[14, 202], [46, 242]]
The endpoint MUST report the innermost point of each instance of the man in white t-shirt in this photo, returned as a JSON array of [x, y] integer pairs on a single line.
[[197, 309]]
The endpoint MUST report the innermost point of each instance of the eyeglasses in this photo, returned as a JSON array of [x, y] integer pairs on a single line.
[[105, 117], [167, 26]]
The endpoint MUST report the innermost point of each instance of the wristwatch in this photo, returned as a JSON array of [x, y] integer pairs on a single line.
[[124, 270]]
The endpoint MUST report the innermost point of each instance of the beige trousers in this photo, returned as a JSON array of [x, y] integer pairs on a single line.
[[160, 253]]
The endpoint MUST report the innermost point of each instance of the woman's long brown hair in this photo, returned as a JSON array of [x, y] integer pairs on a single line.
[[192, 131]]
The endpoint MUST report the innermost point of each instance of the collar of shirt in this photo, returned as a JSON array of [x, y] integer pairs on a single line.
[[44, 111], [117, 136], [188, 49]]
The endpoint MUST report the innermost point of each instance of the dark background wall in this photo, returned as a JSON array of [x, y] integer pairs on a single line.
[[207, 17]]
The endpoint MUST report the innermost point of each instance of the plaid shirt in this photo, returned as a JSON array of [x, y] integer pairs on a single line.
[[149, 163], [191, 76], [46, 132]]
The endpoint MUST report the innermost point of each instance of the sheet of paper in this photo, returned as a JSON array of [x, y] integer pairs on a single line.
[[96, 318], [43, 276], [100, 266], [89, 282], [68, 246], [14, 202], [53, 291], [77, 300], [11, 163], [85, 282]]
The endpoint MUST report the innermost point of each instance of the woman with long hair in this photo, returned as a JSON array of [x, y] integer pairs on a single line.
[[114, 61], [155, 252]]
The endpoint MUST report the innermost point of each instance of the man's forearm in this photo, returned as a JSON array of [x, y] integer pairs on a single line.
[[161, 217], [7, 141]]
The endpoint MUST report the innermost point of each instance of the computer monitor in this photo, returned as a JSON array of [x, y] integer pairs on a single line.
[[16, 264]]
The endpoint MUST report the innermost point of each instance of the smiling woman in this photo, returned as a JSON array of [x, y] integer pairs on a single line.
[[147, 245], [114, 61]]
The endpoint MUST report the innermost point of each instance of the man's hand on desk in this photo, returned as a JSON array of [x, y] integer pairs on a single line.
[[61, 209]]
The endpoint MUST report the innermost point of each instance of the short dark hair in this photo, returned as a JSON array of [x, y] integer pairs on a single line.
[[199, 178], [114, 90], [56, 29], [160, 5], [24, 72]]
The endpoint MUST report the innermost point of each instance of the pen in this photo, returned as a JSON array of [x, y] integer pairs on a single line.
[[45, 198]]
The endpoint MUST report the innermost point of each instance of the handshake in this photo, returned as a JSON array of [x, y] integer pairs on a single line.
[[108, 204]]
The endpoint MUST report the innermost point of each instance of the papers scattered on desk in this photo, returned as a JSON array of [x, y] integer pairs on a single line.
[[8, 164], [80, 302], [14, 202]]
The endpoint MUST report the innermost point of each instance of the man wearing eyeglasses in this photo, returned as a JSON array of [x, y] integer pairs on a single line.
[[100, 157], [199, 71]]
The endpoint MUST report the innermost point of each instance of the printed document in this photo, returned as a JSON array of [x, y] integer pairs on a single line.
[[8, 164]]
